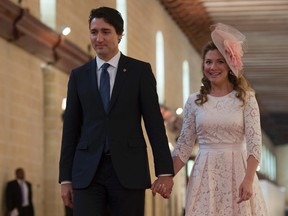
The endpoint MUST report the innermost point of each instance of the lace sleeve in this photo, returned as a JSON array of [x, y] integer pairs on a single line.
[[187, 136], [252, 126]]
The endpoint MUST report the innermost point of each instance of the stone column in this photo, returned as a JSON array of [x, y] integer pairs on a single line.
[[55, 85]]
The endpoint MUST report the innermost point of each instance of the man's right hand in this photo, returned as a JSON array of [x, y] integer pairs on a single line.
[[67, 194], [163, 185]]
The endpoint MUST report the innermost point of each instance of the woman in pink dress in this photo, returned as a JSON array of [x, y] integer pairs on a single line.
[[224, 118]]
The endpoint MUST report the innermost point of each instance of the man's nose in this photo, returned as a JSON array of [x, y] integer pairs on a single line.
[[99, 37]]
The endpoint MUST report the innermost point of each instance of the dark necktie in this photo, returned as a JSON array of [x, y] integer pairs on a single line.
[[105, 86], [105, 95]]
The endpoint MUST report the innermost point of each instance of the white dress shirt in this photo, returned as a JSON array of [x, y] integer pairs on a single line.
[[112, 70]]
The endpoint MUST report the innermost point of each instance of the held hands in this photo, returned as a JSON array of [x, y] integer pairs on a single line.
[[67, 194], [163, 185], [245, 190]]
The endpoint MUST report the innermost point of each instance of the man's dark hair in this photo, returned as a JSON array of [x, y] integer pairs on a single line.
[[110, 15]]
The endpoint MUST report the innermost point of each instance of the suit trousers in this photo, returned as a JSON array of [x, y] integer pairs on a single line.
[[26, 211], [106, 196]]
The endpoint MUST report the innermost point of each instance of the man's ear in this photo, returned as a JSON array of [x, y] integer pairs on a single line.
[[119, 38]]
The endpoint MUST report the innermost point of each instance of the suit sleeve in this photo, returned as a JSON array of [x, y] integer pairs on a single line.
[[154, 123], [71, 130], [9, 197]]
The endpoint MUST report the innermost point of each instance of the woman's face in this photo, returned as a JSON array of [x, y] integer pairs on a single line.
[[215, 67]]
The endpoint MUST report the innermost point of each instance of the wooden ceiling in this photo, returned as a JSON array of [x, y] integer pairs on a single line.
[[265, 24]]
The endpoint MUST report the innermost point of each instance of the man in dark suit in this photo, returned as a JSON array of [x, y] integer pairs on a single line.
[[104, 161], [19, 196]]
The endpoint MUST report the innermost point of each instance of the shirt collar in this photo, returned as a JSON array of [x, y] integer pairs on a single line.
[[113, 61], [20, 181]]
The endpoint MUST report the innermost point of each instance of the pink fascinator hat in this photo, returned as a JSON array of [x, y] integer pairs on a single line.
[[230, 43]]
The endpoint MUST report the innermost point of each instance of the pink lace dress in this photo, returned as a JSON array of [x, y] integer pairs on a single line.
[[227, 134]]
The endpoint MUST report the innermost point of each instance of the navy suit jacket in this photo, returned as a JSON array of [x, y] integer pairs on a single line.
[[86, 124]]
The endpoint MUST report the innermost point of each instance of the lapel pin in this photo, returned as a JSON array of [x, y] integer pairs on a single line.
[[124, 70]]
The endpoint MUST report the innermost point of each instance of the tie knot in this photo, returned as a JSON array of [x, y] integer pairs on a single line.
[[105, 66]]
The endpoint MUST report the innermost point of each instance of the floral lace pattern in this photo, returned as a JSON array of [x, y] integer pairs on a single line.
[[228, 133]]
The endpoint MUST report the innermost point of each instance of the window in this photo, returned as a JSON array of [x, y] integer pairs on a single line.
[[268, 163], [160, 75], [185, 81], [121, 7], [48, 12]]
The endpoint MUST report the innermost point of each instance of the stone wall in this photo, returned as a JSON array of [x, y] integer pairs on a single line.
[[31, 93]]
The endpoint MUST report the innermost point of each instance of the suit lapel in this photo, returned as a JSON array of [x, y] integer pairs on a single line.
[[121, 75]]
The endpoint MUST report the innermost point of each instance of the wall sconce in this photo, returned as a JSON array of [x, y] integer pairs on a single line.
[[65, 30], [45, 66], [179, 111], [63, 107], [63, 104], [189, 166]]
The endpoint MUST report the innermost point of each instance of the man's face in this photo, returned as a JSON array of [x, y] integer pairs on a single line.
[[104, 38], [20, 174]]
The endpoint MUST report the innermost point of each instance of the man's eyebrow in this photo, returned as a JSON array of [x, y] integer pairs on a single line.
[[101, 29], [105, 29]]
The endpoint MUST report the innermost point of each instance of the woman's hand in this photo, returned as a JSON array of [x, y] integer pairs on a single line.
[[163, 185], [245, 190]]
